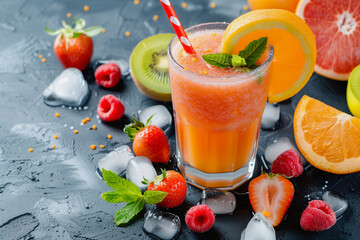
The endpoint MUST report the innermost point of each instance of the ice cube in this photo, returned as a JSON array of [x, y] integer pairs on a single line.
[[271, 117], [69, 88], [220, 202], [161, 116], [336, 201], [279, 146], [161, 225], [122, 63], [258, 228], [139, 168], [116, 160]]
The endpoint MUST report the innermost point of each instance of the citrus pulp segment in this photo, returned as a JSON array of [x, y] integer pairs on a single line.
[[293, 42], [328, 138], [336, 25]]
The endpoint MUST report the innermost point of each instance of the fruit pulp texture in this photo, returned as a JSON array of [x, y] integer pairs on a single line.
[[217, 115]]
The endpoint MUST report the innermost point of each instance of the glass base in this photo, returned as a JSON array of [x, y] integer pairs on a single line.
[[222, 181]]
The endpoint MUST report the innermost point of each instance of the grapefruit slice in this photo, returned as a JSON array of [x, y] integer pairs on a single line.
[[294, 47], [328, 138], [336, 25]]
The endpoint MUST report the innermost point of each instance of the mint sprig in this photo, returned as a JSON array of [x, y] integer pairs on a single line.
[[253, 51], [246, 57], [126, 191]]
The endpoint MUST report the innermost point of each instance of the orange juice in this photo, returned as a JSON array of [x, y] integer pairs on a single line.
[[217, 112]]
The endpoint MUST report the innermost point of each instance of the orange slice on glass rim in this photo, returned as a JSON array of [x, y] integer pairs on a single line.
[[328, 138], [293, 42]]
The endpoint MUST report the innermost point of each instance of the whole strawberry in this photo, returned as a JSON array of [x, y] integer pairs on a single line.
[[148, 141], [174, 184], [73, 46]]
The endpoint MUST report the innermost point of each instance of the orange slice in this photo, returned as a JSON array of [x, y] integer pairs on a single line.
[[294, 47], [328, 138]]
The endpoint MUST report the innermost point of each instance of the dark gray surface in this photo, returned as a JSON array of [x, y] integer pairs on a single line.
[[55, 194]]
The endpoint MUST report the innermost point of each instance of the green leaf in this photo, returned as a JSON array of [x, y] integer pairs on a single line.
[[221, 60], [93, 31], [133, 128], [116, 197], [76, 34], [79, 24], [122, 185], [51, 32], [237, 61], [253, 51], [125, 214], [152, 197]]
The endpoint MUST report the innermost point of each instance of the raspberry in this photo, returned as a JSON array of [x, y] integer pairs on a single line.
[[110, 108], [200, 218], [108, 75], [317, 216], [288, 164]]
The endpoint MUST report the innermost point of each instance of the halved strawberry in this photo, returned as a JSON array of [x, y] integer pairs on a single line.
[[271, 195]]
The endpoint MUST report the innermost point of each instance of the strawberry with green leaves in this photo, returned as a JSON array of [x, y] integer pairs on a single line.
[[148, 141], [172, 183], [126, 191], [73, 46]]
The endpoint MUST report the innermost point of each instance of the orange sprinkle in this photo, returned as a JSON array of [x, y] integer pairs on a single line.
[[214, 34], [86, 8], [136, 2], [76, 131], [102, 146], [127, 33], [56, 136], [194, 59], [69, 15], [83, 121], [94, 127], [93, 147], [40, 56], [266, 214], [208, 50], [53, 147], [109, 136], [184, 5], [156, 17], [103, 30], [245, 7], [31, 149], [88, 119], [57, 114], [43, 60], [203, 72], [213, 5]]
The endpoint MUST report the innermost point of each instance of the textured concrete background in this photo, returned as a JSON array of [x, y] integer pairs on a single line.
[[55, 194]]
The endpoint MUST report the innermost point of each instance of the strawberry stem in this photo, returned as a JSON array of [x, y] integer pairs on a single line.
[[133, 128]]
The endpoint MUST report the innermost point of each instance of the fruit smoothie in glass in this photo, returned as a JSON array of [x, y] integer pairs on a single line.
[[217, 111]]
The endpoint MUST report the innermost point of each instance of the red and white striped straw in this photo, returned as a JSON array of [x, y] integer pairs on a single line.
[[179, 30]]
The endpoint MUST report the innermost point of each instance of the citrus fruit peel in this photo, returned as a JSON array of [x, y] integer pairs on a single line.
[[327, 137], [293, 42], [353, 92]]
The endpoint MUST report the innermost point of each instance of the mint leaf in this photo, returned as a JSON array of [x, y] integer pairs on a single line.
[[253, 51], [125, 214], [237, 61], [221, 60], [122, 185], [152, 197], [116, 197]]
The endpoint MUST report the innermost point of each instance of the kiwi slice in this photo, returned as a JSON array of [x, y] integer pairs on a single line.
[[150, 67]]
